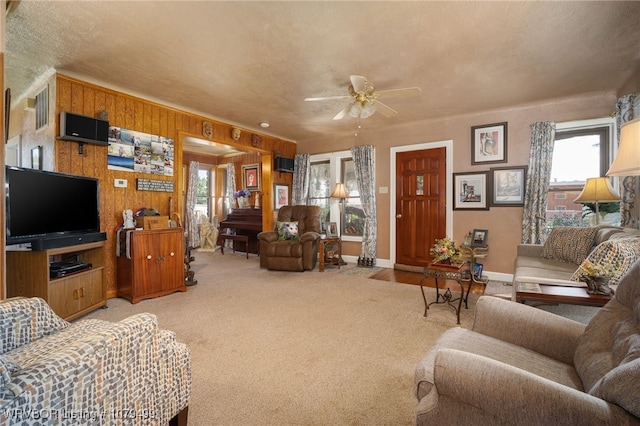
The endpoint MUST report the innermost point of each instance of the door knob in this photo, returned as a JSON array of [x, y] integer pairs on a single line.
[[399, 216]]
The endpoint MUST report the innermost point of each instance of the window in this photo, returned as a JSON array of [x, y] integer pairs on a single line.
[[581, 150], [325, 171], [204, 195], [352, 218], [320, 187]]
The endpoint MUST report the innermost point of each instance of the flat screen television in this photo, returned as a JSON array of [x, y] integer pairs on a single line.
[[49, 209]]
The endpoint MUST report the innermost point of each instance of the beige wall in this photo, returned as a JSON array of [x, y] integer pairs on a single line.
[[503, 223]]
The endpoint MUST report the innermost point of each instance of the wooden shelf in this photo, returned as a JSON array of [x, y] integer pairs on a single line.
[[69, 296]]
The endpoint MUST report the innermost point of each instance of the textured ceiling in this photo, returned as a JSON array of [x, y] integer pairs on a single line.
[[247, 62]]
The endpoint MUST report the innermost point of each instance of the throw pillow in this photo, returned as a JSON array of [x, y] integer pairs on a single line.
[[621, 251], [569, 244], [287, 231]]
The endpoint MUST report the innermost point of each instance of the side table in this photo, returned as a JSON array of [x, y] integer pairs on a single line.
[[335, 258], [447, 272], [475, 253]]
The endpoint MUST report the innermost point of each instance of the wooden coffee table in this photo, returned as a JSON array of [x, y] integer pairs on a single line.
[[540, 293]]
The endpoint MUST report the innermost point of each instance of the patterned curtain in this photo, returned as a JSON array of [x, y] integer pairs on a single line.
[[231, 186], [543, 135], [627, 109], [300, 190], [364, 160], [193, 236]]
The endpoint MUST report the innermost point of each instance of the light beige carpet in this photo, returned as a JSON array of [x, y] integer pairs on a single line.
[[285, 348]]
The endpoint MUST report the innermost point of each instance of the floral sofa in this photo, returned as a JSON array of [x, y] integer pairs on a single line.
[[520, 365], [89, 372], [557, 261]]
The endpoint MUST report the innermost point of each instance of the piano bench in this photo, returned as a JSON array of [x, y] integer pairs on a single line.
[[225, 237]]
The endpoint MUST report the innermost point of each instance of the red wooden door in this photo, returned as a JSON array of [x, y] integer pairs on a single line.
[[420, 204]]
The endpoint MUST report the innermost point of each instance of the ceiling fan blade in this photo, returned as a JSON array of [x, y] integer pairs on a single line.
[[327, 98], [384, 110], [399, 93], [359, 83], [343, 112]]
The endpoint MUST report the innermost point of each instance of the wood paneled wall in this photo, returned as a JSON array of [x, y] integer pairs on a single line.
[[137, 114]]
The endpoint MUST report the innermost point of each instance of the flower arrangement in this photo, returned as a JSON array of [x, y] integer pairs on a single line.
[[244, 192], [444, 250], [591, 269]]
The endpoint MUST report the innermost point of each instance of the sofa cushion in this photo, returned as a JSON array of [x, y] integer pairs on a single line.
[[287, 231], [607, 357], [623, 251], [569, 243]]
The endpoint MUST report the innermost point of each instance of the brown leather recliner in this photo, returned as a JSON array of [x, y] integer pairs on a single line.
[[292, 255]]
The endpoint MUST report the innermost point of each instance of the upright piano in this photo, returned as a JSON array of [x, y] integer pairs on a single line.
[[247, 221]]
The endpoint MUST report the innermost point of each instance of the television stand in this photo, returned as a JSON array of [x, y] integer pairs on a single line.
[[70, 294]]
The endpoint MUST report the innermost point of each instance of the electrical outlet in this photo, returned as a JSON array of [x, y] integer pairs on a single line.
[[120, 183]]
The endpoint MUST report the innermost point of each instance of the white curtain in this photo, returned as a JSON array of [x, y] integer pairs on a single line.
[[364, 160], [231, 186], [301, 174], [193, 236], [534, 218]]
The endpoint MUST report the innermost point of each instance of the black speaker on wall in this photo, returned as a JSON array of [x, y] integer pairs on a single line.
[[283, 164], [80, 128]]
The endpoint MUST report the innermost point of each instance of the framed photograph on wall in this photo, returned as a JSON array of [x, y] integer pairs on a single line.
[[507, 185], [251, 177], [470, 191], [489, 143], [479, 238], [280, 195]]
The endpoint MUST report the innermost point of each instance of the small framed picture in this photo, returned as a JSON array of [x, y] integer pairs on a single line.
[[470, 191], [280, 195], [330, 229], [479, 238], [507, 186], [36, 157], [251, 177], [489, 143]]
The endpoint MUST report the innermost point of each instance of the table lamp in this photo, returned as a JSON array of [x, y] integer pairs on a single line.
[[340, 191], [627, 162], [597, 190]]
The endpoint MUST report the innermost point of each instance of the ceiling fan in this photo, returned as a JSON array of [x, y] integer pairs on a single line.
[[364, 99]]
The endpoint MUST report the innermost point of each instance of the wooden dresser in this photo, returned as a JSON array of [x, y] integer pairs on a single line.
[[155, 266]]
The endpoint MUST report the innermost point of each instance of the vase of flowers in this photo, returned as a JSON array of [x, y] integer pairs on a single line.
[[597, 276], [445, 251], [241, 197]]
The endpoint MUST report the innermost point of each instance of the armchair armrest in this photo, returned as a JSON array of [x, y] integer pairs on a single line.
[[268, 236], [309, 236], [523, 325], [23, 320], [462, 377]]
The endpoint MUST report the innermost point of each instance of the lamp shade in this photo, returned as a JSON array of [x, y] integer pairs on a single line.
[[597, 190], [340, 191], [627, 162]]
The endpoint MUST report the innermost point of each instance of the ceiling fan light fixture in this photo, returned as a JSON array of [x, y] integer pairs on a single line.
[[362, 110]]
